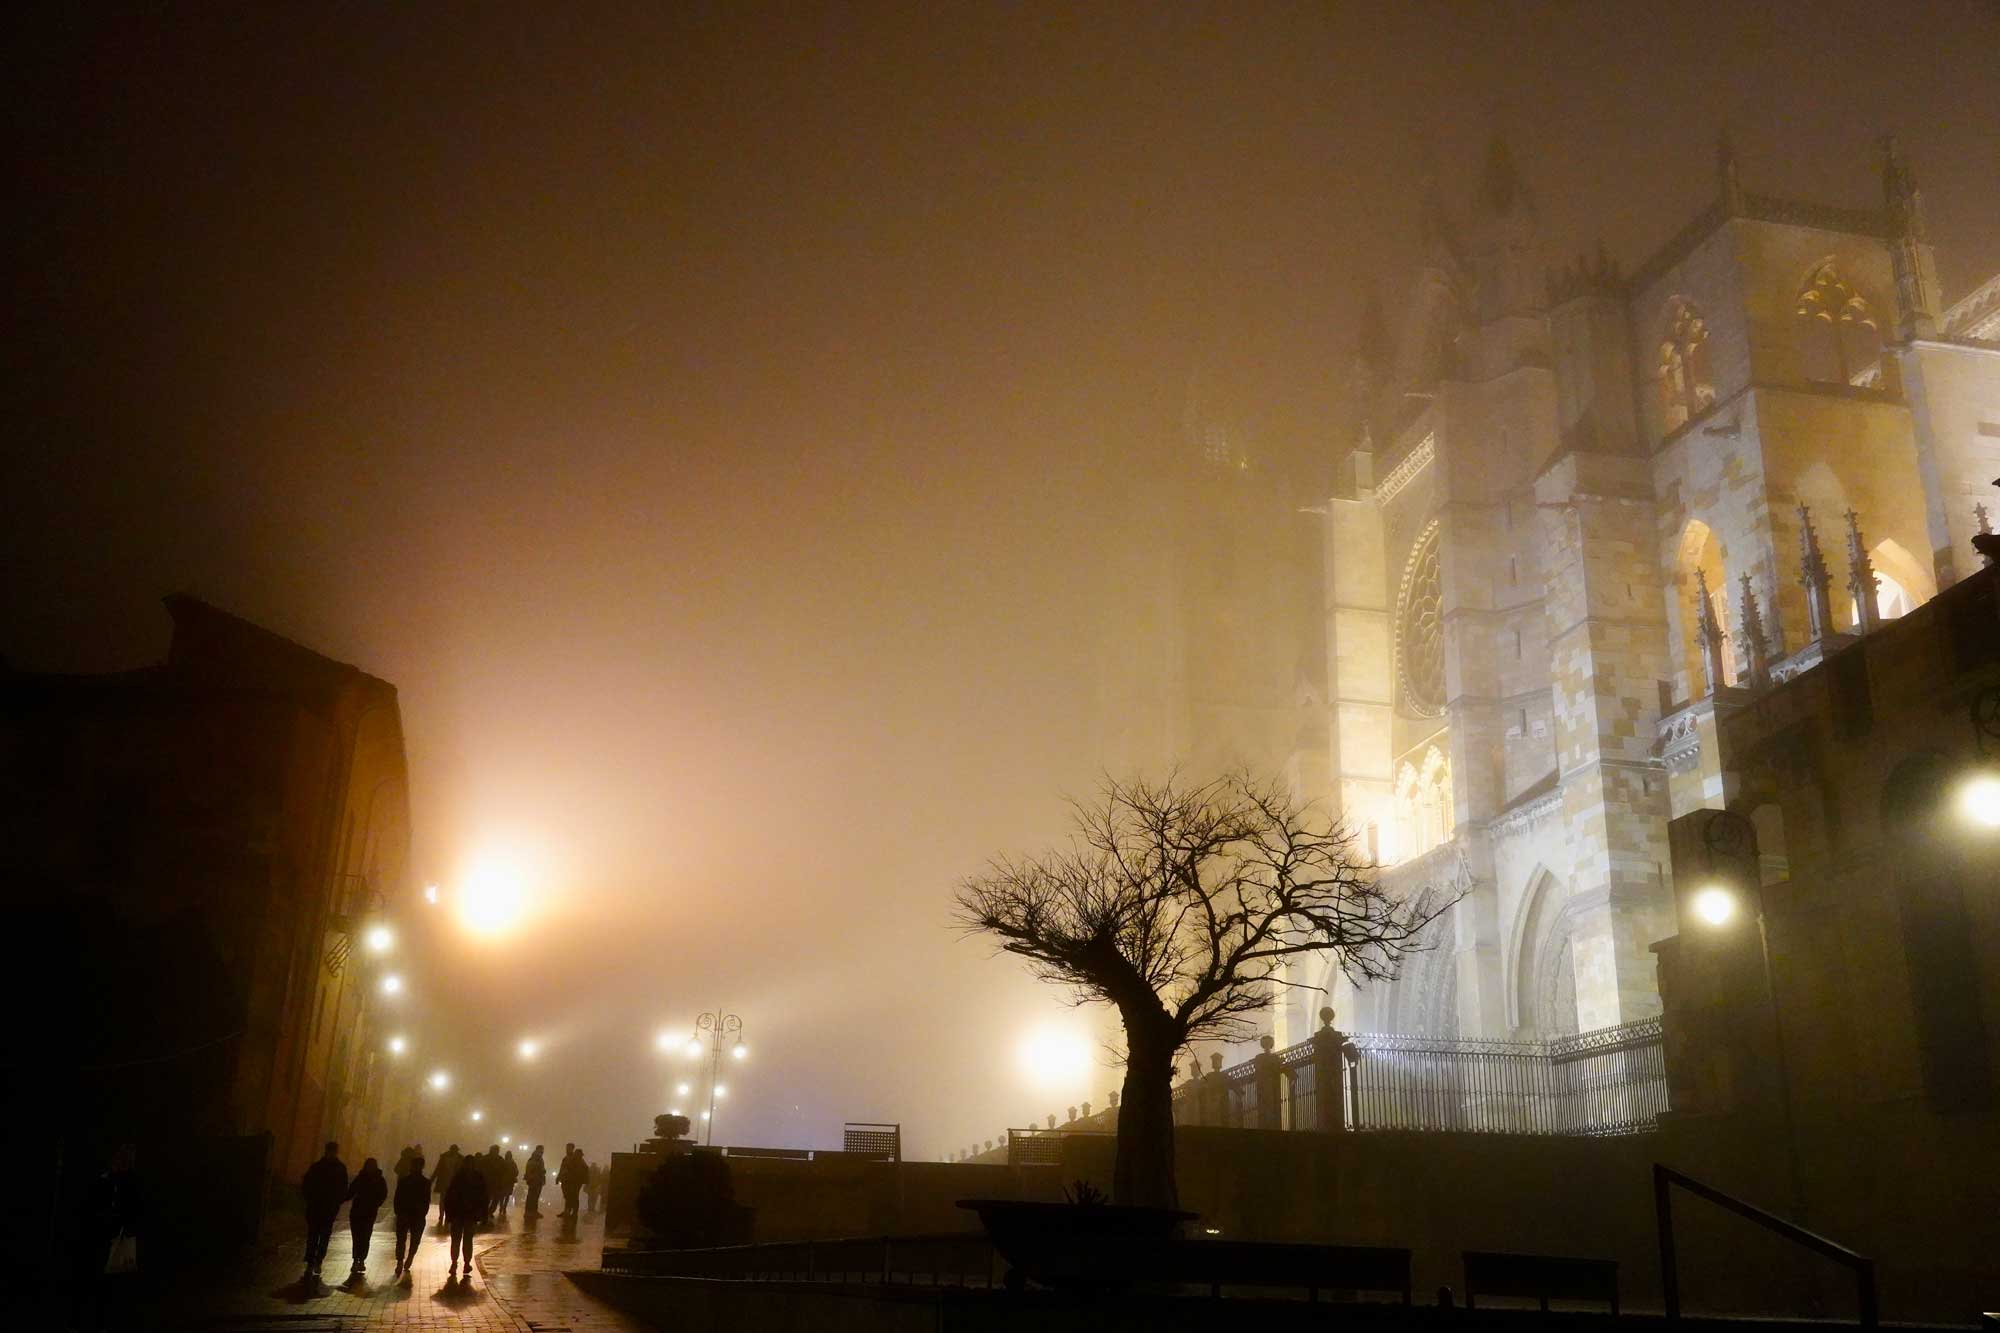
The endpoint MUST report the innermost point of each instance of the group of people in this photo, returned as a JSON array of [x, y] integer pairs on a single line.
[[470, 1190]]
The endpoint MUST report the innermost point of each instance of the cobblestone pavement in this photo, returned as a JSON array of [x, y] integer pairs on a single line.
[[518, 1288]]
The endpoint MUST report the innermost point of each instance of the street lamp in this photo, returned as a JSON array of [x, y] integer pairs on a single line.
[[722, 1029], [529, 1049], [397, 1045], [1979, 799], [392, 984], [440, 1080], [378, 938], [1714, 905], [1731, 839], [478, 1116]]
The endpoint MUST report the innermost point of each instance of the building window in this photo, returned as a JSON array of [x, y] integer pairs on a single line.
[[1420, 628], [1839, 342], [1686, 387], [1422, 813]]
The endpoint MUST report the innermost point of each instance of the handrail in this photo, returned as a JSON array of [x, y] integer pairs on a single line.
[[1665, 1178]]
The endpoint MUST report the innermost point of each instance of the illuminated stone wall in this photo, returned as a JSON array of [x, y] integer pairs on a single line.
[[1579, 468]]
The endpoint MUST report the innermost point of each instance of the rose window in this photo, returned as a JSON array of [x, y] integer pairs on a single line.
[[1420, 629]]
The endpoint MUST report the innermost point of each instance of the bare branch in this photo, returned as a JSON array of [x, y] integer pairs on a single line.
[[1180, 903]]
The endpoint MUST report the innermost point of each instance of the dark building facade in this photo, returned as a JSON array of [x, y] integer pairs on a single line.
[[193, 850]]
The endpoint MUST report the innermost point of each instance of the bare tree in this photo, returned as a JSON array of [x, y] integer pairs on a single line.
[[1180, 904]]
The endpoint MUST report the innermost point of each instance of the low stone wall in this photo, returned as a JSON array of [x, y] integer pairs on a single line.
[[829, 1197], [1441, 1194]]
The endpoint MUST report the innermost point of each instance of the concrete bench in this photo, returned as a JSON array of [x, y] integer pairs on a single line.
[[1540, 1277]]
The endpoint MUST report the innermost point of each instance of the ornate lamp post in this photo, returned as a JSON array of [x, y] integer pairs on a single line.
[[719, 1029]]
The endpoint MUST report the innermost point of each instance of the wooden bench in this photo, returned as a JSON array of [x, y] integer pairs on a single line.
[[1540, 1277], [1317, 1268]]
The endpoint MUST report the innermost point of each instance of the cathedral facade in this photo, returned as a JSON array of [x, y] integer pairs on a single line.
[[1584, 513]]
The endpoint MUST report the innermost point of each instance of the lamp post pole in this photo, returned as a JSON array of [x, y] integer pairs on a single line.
[[719, 1026], [1729, 838]]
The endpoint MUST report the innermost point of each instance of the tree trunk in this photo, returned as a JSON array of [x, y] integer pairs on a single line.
[[1144, 1174]]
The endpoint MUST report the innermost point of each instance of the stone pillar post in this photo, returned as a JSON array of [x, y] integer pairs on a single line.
[[1270, 1086], [1329, 1075], [1214, 1093]]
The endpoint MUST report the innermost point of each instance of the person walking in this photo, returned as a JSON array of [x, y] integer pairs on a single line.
[[412, 1205], [495, 1170], [510, 1173], [325, 1187], [535, 1174], [570, 1177], [464, 1210], [106, 1257], [593, 1189], [448, 1164], [364, 1200]]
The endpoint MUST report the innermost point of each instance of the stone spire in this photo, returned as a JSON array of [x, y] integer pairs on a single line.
[[1910, 255], [1729, 182], [1709, 633], [1861, 578], [1751, 637], [1813, 577], [1979, 516]]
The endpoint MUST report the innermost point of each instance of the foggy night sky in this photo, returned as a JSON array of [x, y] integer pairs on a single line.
[[707, 416]]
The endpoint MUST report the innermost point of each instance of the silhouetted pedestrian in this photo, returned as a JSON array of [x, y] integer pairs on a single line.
[[537, 1171], [107, 1240], [325, 1187], [464, 1210], [448, 1164], [494, 1170], [412, 1204], [593, 1189], [364, 1200], [570, 1176], [510, 1173]]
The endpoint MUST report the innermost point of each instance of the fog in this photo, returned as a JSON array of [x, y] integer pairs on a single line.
[[713, 421]]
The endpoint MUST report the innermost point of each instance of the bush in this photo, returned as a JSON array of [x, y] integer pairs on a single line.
[[688, 1203]]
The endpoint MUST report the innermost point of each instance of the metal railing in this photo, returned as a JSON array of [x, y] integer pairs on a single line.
[[869, 1139], [1612, 1081], [1664, 1180], [1044, 1147]]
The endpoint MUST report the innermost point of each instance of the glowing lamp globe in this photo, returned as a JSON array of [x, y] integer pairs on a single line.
[[1979, 800], [1714, 905]]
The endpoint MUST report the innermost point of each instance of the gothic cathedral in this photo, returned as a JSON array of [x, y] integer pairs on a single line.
[[1581, 515]]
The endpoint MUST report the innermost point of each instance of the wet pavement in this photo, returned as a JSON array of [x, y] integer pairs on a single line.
[[517, 1287]]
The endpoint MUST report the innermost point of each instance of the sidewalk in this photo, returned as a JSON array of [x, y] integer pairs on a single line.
[[518, 1288]]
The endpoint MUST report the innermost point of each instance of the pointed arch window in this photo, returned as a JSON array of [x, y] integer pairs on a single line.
[[1839, 341], [1422, 813], [1687, 389]]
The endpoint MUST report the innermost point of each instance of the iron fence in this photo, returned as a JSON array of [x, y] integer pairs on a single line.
[[1612, 1081]]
